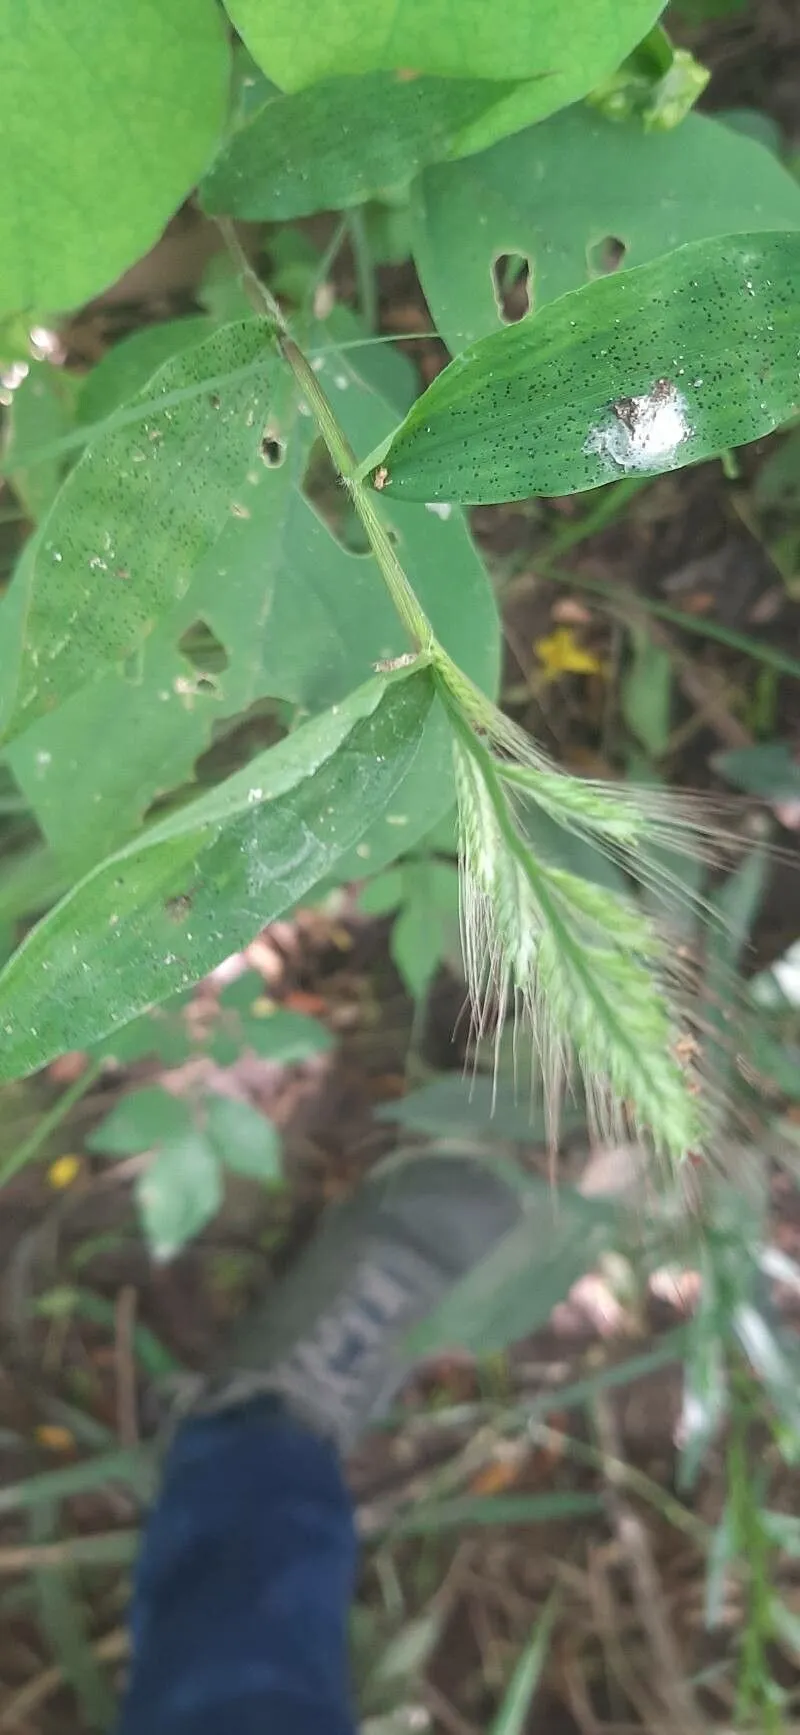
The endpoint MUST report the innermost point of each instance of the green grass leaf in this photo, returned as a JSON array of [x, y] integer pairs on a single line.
[[110, 114], [157, 916], [243, 1139], [512, 1717], [466, 1509], [134, 1467], [132, 522], [64, 1621], [634, 374], [572, 51], [558, 193]]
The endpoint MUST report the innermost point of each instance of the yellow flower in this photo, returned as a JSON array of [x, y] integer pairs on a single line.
[[54, 1438], [560, 654], [63, 1172]]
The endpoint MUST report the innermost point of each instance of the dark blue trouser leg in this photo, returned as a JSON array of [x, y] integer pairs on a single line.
[[243, 1589]]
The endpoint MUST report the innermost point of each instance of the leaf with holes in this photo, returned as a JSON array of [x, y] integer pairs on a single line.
[[289, 612], [577, 196], [110, 113], [571, 50], [133, 520], [635, 374], [157, 916]]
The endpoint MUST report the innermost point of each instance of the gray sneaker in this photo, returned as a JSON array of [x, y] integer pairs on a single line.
[[331, 1339]]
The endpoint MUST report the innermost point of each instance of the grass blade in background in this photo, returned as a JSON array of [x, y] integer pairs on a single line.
[[512, 1718], [132, 1466], [64, 1624]]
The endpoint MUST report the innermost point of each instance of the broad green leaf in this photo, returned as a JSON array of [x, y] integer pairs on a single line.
[[247, 1019], [572, 49], [426, 931], [770, 770], [382, 894], [347, 140], [134, 519], [244, 1139], [634, 374], [514, 1289], [42, 410], [110, 114], [179, 1192], [157, 916], [140, 1120], [286, 1037], [126, 368], [568, 195], [161, 1032], [300, 618]]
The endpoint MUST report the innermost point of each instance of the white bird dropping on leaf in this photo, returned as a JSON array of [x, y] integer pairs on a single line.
[[643, 433]]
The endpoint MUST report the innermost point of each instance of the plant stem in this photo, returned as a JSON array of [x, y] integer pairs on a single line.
[[25, 1152], [754, 1548], [408, 607]]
